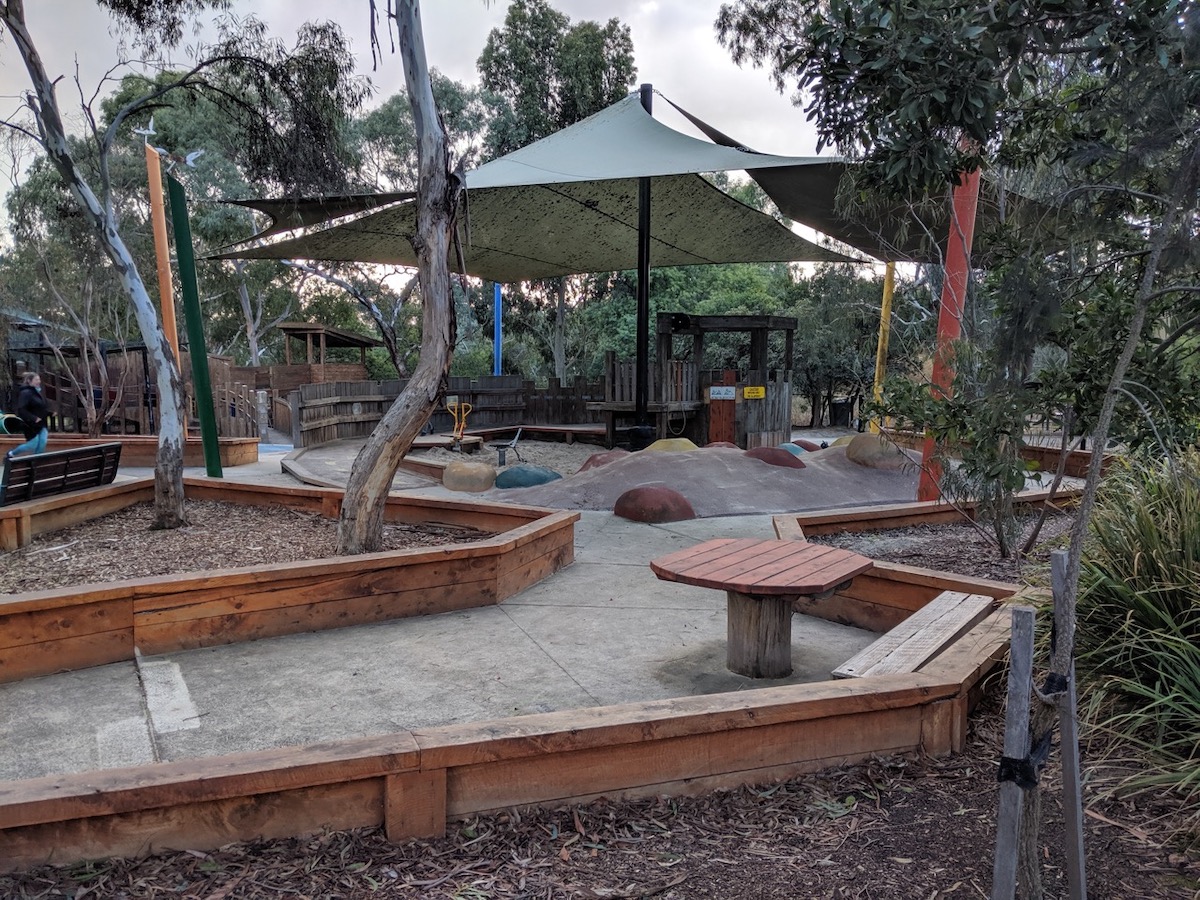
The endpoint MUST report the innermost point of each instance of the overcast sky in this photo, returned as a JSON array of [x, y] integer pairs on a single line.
[[675, 49]]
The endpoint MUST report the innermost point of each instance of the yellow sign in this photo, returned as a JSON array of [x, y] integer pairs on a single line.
[[754, 393]]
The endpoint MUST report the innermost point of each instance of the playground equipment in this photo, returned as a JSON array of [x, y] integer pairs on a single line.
[[458, 412]]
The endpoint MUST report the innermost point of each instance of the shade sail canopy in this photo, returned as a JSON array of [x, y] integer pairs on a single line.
[[564, 205]]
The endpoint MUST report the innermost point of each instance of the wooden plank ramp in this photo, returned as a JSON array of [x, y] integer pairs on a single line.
[[920, 637]]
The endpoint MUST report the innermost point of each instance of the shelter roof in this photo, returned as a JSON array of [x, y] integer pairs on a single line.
[[334, 337], [563, 205]]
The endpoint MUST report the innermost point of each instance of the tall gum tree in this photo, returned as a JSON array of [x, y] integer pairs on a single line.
[[168, 469], [360, 526]]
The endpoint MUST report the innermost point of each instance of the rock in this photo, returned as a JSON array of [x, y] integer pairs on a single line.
[[596, 460], [794, 449], [809, 445], [844, 440], [876, 452], [671, 445], [653, 504], [472, 477], [525, 475], [726, 444], [773, 456]]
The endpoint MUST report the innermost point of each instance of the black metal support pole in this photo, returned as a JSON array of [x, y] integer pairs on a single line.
[[642, 433]]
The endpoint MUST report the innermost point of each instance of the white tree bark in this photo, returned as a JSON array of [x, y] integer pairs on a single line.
[[360, 528], [168, 471]]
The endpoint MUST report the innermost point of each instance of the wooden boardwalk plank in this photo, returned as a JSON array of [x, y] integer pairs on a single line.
[[920, 637]]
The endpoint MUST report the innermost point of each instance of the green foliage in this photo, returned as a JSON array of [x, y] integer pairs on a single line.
[[1141, 564], [923, 91], [542, 73], [1139, 613]]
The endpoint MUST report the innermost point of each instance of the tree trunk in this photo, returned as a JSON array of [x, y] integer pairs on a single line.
[[360, 527], [168, 470]]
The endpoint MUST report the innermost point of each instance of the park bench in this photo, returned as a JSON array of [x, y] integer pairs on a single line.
[[920, 637], [44, 474]]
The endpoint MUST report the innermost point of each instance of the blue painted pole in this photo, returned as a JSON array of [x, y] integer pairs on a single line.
[[497, 334]]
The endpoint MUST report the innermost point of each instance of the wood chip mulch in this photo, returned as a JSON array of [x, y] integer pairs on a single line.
[[220, 535], [904, 828]]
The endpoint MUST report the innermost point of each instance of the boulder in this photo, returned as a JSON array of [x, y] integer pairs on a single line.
[[465, 475], [876, 452], [525, 475], [653, 504], [726, 444], [809, 445], [671, 445], [844, 440], [773, 456], [596, 460]]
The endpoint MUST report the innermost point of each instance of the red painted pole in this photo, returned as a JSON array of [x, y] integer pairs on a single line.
[[954, 295]]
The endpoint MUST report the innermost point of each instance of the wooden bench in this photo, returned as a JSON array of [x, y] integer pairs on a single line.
[[762, 580], [920, 637], [44, 474]]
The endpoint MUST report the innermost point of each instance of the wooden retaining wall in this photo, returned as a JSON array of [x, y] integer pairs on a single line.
[[902, 515], [140, 450], [411, 783], [42, 632], [1046, 458]]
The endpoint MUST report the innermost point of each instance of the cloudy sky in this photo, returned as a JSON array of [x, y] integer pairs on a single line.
[[675, 48]]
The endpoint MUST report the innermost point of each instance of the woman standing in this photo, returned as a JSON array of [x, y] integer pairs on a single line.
[[32, 409]]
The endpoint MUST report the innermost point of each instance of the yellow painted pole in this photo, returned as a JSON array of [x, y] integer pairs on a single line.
[[158, 217], [885, 330]]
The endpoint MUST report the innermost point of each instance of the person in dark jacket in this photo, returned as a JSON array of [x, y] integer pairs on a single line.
[[32, 409]]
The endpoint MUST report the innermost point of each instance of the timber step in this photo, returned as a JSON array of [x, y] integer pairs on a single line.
[[920, 637]]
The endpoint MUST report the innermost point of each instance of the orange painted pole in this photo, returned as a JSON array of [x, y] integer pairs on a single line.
[[158, 218], [954, 295]]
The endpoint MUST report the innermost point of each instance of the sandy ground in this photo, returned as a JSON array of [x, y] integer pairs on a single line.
[[716, 481]]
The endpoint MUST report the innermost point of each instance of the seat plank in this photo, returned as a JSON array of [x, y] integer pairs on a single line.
[[920, 637]]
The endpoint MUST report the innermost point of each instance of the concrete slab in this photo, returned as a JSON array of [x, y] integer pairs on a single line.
[[90, 719], [604, 630]]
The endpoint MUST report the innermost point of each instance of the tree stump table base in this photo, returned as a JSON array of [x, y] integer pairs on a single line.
[[759, 635]]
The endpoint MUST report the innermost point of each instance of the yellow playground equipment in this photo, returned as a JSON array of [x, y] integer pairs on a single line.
[[458, 412]]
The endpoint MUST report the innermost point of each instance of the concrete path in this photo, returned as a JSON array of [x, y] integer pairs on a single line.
[[602, 631]]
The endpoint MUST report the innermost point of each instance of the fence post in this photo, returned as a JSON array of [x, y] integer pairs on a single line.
[[263, 419], [1016, 752], [294, 406]]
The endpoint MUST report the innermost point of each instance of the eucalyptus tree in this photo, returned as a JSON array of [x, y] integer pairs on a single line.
[[56, 272], [294, 97], [542, 73]]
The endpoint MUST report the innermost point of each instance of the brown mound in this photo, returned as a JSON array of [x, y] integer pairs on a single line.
[[722, 482]]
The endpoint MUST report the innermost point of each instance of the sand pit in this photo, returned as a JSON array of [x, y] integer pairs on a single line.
[[724, 482]]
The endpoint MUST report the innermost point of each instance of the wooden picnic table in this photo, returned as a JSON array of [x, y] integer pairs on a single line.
[[762, 579]]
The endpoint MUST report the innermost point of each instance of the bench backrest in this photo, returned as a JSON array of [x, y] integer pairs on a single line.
[[44, 474]]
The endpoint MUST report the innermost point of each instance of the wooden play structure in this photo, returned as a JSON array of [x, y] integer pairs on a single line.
[[750, 408]]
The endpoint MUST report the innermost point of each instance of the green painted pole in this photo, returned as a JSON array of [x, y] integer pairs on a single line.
[[195, 327]]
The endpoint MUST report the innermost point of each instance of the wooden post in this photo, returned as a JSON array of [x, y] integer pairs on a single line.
[[881, 346], [162, 249], [1016, 747], [954, 298], [1068, 724], [759, 635]]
